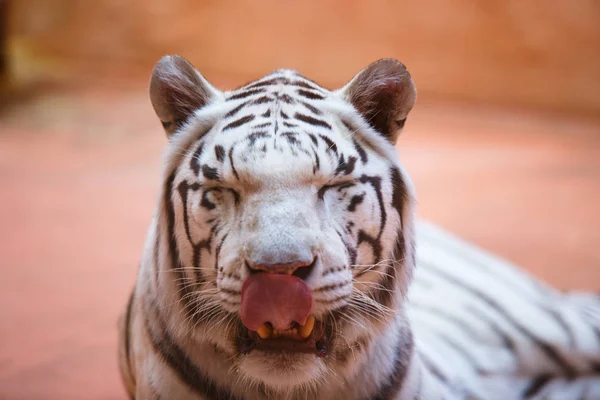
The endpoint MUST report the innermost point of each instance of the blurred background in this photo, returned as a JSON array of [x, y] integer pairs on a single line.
[[503, 144]]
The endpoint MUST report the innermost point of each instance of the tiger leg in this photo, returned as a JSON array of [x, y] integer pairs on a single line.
[[145, 372]]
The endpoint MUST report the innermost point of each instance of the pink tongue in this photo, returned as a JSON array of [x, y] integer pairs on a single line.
[[275, 298]]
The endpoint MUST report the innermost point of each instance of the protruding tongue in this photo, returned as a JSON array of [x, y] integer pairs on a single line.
[[275, 298]]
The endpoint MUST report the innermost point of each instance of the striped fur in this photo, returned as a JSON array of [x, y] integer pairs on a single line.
[[497, 332], [282, 164]]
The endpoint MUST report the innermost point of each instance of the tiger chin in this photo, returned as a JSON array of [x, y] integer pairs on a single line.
[[280, 253]]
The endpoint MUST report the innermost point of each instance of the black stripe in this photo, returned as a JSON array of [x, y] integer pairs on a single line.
[[351, 251], [596, 331], [285, 98], [262, 100], [402, 362], [183, 194], [245, 94], [321, 192], [231, 162], [307, 80], [238, 122], [205, 202], [399, 192], [355, 201], [312, 108], [220, 153], [156, 265], [384, 295], [385, 292], [204, 244], [345, 167], [455, 321], [546, 348], [356, 348], [349, 126], [507, 283], [419, 386], [267, 82], [210, 173], [128, 329], [235, 110], [291, 138], [254, 136], [564, 324], [431, 367], [361, 151], [184, 368], [195, 163], [196, 261], [462, 351], [306, 85], [184, 287], [310, 95], [317, 164], [331, 146], [218, 251], [536, 385], [507, 341], [312, 121], [375, 182]]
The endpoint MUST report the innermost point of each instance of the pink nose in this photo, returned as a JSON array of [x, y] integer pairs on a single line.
[[274, 298]]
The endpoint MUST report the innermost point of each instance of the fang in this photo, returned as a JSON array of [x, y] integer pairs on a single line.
[[265, 331], [306, 329]]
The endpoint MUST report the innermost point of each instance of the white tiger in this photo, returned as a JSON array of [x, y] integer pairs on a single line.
[[279, 259]]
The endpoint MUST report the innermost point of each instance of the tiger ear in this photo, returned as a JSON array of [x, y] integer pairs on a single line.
[[177, 90], [383, 93]]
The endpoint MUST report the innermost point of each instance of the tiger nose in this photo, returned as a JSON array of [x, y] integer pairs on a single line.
[[300, 268]]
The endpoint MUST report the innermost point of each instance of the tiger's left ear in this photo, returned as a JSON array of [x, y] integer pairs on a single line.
[[383, 93]]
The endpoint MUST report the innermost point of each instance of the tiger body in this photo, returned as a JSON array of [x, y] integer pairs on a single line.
[[284, 177]]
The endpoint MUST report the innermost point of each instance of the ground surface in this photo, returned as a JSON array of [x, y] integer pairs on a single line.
[[79, 174]]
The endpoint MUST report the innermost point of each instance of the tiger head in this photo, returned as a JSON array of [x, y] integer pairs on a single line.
[[288, 218]]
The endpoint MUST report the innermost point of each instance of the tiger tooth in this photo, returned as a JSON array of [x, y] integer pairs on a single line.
[[306, 329], [265, 331]]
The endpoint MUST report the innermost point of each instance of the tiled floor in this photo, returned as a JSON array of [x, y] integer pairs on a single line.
[[78, 179]]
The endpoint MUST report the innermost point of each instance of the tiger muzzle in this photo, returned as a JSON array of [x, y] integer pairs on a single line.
[[276, 312]]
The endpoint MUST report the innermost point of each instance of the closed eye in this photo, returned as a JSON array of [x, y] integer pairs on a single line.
[[335, 185], [223, 189]]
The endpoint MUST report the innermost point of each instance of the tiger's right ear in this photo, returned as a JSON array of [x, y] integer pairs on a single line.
[[383, 93], [177, 90]]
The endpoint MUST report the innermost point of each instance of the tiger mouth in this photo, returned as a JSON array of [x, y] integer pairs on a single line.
[[314, 337]]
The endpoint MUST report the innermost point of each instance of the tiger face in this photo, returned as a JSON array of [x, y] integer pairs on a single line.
[[287, 217]]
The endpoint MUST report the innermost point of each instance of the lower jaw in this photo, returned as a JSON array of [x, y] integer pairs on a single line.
[[318, 343], [285, 345]]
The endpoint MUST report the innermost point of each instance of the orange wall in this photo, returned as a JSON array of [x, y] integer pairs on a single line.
[[541, 53]]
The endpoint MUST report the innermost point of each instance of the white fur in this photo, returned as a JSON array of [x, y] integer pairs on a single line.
[[279, 214]]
